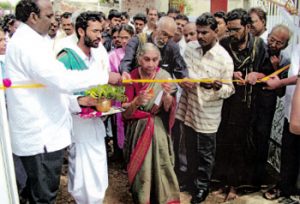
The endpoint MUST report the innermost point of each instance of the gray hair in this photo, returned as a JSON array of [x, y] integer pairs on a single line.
[[146, 48], [284, 28], [169, 23]]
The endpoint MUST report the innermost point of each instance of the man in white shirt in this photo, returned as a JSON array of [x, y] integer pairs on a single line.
[[152, 18], [181, 20], [40, 117], [259, 23], [200, 105], [67, 24], [88, 177], [190, 32], [53, 30]]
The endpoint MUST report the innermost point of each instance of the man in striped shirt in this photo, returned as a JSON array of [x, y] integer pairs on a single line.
[[201, 104]]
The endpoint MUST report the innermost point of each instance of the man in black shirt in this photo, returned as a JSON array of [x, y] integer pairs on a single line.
[[266, 99], [236, 148]]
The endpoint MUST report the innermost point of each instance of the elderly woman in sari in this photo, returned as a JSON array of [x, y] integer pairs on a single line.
[[148, 148]]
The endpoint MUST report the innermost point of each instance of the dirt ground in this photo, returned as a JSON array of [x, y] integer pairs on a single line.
[[118, 191]]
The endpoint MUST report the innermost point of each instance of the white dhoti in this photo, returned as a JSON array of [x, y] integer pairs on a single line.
[[88, 177]]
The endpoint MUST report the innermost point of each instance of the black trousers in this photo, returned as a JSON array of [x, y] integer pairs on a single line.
[[178, 137], [201, 151], [290, 161], [266, 106], [21, 175], [43, 176]]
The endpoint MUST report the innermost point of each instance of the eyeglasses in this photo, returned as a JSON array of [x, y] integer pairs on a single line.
[[164, 34], [271, 40], [233, 30]]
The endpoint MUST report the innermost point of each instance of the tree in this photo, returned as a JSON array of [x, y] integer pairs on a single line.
[[5, 6]]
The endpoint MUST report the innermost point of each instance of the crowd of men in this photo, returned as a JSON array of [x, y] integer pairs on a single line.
[[222, 125]]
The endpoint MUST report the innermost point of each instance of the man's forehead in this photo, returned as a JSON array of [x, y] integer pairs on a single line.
[[235, 22], [279, 35], [203, 27], [139, 21], [181, 21], [189, 29], [167, 29], [66, 19], [94, 24], [153, 11], [220, 19]]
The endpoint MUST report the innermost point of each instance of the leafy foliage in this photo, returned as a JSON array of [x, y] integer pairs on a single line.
[[108, 91], [5, 5]]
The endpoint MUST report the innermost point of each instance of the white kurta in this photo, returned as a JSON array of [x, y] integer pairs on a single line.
[[88, 177], [40, 117]]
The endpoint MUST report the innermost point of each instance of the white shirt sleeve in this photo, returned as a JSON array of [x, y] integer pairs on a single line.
[[74, 107], [52, 73]]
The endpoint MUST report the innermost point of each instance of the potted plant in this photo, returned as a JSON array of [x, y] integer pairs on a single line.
[[105, 94]]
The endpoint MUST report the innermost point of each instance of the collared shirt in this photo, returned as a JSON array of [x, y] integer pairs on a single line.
[[264, 36], [182, 45], [40, 120], [200, 108], [64, 42], [147, 30]]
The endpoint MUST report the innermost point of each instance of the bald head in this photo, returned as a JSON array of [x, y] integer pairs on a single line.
[[278, 39], [190, 32], [167, 24], [283, 29]]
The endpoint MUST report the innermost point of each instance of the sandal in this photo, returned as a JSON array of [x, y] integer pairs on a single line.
[[273, 193]]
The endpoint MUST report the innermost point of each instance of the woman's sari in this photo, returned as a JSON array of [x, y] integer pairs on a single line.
[[148, 148]]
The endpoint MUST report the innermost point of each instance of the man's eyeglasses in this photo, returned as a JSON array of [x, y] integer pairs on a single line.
[[271, 40], [233, 30], [164, 34]]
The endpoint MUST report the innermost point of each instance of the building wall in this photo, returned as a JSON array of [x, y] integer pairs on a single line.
[[197, 7], [138, 6], [200, 6]]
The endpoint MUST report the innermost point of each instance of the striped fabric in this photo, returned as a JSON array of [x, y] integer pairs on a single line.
[[200, 108]]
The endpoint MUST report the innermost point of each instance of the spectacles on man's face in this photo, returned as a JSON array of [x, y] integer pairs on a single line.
[[272, 40], [163, 34]]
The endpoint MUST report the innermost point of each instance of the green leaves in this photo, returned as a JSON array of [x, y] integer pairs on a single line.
[[108, 91]]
